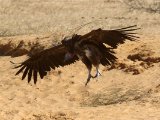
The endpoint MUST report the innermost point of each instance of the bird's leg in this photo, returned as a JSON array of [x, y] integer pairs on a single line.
[[97, 72], [89, 77], [89, 67]]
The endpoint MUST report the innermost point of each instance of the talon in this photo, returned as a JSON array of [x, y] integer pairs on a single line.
[[97, 75], [88, 79]]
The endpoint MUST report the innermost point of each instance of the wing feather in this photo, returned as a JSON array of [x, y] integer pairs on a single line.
[[35, 76], [30, 74], [25, 73], [127, 27], [112, 37], [20, 70], [41, 73], [43, 61]]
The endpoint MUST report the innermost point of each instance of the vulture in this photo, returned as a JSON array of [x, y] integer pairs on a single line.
[[93, 49]]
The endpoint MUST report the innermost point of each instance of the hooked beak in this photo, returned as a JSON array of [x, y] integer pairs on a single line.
[[68, 56]]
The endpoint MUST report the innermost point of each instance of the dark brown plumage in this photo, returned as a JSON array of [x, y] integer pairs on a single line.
[[89, 48]]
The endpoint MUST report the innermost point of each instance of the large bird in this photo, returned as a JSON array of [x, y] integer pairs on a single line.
[[93, 49]]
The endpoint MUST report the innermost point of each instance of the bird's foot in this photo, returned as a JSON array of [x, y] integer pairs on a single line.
[[97, 75], [90, 76]]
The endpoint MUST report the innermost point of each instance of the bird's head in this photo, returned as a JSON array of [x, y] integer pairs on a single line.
[[70, 41]]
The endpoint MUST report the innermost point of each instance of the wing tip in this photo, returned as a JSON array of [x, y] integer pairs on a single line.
[[129, 28]]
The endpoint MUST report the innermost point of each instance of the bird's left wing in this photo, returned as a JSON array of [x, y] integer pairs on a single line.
[[112, 37], [42, 62]]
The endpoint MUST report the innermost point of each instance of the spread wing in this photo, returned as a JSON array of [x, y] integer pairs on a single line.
[[42, 62], [112, 37]]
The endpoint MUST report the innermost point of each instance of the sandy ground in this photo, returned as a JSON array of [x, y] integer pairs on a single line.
[[128, 90]]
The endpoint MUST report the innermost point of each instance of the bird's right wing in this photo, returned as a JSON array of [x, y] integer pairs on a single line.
[[43, 61]]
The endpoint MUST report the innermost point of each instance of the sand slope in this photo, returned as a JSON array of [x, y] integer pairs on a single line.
[[117, 94], [128, 90]]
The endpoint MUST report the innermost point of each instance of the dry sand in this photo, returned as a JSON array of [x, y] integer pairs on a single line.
[[128, 90]]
